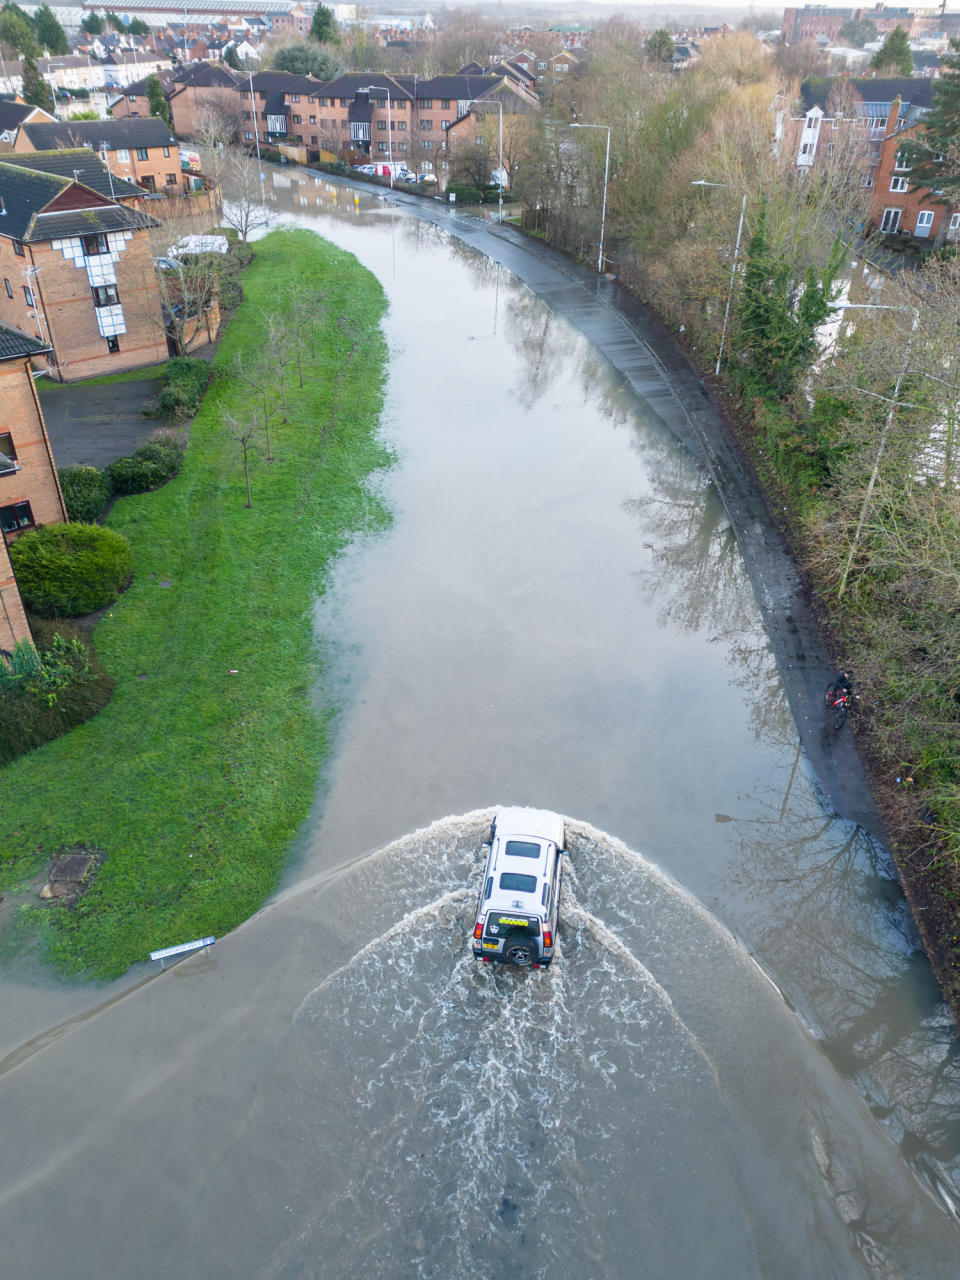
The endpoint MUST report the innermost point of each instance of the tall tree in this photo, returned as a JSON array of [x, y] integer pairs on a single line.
[[92, 24], [16, 30], [232, 58], [894, 53], [35, 88], [858, 32], [157, 100], [305, 58], [935, 152], [50, 35], [323, 28], [660, 46], [137, 27]]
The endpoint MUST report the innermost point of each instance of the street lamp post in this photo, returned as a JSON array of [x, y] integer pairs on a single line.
[[877, 306], [606, 176], [380, 88], [495, 102], [256, 132], [700, 182]]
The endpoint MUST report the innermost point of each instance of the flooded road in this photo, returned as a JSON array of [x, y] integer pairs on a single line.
[[739, 1065]]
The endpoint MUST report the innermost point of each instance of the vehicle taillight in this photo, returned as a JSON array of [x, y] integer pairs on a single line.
[[478, 929], [547, 938]]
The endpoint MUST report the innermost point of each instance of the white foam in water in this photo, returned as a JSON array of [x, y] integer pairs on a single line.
[[648, 1096]]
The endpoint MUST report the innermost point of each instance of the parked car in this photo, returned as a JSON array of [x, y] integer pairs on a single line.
[[365, 168], [198, 244], [519, 905]]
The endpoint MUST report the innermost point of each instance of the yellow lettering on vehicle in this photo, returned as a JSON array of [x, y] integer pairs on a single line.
[[510, 920], [491, 946]]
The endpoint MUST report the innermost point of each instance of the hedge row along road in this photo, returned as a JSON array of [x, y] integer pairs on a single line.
[[194, 780]]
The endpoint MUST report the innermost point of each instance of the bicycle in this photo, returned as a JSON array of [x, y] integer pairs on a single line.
[[839, 700]]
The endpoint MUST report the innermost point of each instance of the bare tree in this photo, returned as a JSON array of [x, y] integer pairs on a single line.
[[303, 303], [256, 372], [245, 435], [188, 284], [244, 208], [278, 344], [218, 128]]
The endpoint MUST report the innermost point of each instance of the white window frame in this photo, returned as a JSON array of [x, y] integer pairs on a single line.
[[890, 222], [899, 184]]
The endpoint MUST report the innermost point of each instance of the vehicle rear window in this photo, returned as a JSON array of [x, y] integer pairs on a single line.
[[499, 924], [517, 883], [521, 849]]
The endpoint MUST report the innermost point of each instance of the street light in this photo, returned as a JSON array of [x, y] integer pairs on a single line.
[[876, 306], [606, 175], [383, 89], [700, 182], [495, 102], [256, 133]]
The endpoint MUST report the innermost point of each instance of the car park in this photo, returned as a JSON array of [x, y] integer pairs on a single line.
[[518, 910]]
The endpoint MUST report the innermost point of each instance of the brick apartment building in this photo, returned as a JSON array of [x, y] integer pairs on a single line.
[[885, 113], [12, 115], [29, 489], [819, 20], [142, 151], [199, 85], [77, 274]]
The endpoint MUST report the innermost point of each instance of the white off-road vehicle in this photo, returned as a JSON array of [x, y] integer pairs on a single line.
[[519, 905]]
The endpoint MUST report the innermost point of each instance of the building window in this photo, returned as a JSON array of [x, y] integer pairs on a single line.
[[18, 248], [382, 125], [105, 295], [891, 220], [294, 97], [953, 230], [142, 153], [123, 156], [444, 104], [902, 161], [381, 146], [8, 286], [248, 135], [313, 120], [92, 245], [171, 179], [401, 146], [400, 124], [113, 345], [899, 184], [426, 102], [28, 294], [16, 517], [426, 126], [8, 454], [298, 120], [425, 144]]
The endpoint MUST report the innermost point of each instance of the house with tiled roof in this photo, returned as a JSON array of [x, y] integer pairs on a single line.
[[77, 274], [30, 492], [85, 166], [143, 151], [13, 114], [879, 114]]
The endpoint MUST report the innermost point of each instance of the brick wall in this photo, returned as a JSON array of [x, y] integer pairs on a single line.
[[65, 314], [35, 483]]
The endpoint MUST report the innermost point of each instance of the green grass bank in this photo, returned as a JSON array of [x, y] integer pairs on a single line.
[[193, 781]]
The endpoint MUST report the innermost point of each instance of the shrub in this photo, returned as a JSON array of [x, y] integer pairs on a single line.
[[64, 570], [86, 491], [47, 690], [465, 193], [185, 381]]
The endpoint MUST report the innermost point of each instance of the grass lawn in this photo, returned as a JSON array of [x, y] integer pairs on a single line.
[[193, 780], [148, 374]]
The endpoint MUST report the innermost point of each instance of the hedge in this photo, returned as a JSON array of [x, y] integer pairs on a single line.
[[65, 570]]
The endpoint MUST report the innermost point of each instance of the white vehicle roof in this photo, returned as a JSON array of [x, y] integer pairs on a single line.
[[199, 244], [540, 824]]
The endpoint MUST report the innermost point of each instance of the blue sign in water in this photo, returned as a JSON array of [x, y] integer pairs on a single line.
[[179, 950]]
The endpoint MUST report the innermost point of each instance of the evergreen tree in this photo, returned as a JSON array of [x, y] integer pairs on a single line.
[[232, 58], [660, 46], [157, 101], [92, 24], [16, 30], [323, 28], [35, 88], [306, 59], [894, 52], [138, 27], [858, 32], [940, 135], [778, 316], [50, 35]]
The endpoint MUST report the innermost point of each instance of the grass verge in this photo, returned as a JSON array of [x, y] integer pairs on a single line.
[[193, 779], [147, 373]]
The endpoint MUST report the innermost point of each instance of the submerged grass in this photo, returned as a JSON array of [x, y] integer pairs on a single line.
[[193, 779]]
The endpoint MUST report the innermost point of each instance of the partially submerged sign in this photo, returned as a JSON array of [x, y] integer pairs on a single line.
[[182, 948]]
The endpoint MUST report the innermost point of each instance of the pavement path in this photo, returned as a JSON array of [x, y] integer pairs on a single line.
[[93, 425]]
